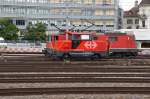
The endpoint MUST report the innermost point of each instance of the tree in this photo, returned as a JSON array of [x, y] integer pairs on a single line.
[[36, 32], [8, 30]]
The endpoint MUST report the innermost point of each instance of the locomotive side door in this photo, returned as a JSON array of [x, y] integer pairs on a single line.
[[75, 41]]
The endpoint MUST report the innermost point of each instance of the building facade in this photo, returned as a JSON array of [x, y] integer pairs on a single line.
[[131, 18], [105, 14], [144, 12]]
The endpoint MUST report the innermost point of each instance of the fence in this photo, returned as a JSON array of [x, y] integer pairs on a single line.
[[21, 46], [24, 44]]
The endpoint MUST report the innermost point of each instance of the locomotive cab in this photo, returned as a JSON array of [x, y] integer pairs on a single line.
[[78, 38], [74, 44]]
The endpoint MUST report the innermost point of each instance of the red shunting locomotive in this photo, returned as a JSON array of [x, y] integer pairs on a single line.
[[90, 44]]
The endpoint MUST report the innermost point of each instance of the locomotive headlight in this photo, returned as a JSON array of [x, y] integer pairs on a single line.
[[110, 53]]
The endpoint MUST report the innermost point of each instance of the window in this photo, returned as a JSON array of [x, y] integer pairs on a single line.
[[85, 37], [137, 27], [11, 21], [55, 1], [95, 38], [129, 21], [136, 21], [119, 27], [99, 12], [98, 1], [88, 1], [113, 39], [20, 22], [129, 27], [98, 22], [109, 23], [110, 12], [77, 1], [143, 23], [107, 2], [145, 45], [56, 38]]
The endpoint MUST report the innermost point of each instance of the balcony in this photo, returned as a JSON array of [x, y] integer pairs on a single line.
[[59, 5], [51, 16]]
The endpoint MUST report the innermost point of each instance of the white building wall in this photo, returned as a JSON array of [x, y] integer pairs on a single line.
[[133, 25], [145, 11]]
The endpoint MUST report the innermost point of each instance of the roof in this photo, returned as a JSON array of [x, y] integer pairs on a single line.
[[145, 2], [132, 12]]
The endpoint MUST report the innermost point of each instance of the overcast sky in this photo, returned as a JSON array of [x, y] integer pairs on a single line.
[[127, 4]]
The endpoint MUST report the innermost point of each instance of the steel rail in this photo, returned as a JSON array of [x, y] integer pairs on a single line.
[[75, 80], [75, 90]]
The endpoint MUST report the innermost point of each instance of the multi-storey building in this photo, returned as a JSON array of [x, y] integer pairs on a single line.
[[105, 14]]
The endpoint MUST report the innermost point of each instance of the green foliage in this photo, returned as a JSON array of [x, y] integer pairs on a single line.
[[8, 30], [36, 32]]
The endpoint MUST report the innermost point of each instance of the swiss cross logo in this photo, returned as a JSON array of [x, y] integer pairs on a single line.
[[90, 45]]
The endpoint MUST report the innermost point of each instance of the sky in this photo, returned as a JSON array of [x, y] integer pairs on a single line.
[[127, 4]]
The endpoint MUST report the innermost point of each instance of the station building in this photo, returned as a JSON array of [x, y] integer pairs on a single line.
[[105, 14]]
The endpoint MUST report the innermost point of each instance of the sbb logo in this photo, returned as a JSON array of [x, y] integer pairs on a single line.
[[90, 45]]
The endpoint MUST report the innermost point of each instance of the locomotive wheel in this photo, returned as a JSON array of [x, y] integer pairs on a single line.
[[118, 55], [46, 54], [96, 56]]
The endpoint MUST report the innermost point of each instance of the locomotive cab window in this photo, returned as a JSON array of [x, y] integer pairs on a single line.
[[113, 39], [56, 38], [85, 37], [95, 38], [145, 45], [75, 37]]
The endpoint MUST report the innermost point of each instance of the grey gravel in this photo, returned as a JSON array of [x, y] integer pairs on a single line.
[[59, 85], [81, 96]]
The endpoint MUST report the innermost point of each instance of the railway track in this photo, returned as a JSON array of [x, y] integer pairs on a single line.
[[76, 78], [41, 55], [75, 90], [39, 69], [36, 59], [43, 61], [72, 69]]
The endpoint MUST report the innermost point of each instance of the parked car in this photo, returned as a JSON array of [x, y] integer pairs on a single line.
[[3, 44]]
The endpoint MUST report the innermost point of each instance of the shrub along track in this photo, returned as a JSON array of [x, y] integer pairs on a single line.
[[39, 69]]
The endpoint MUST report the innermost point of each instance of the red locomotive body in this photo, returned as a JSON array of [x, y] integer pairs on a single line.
[[74, 44], [90, 44]]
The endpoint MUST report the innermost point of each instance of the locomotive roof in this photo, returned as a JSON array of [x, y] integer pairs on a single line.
[[114, 34]]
